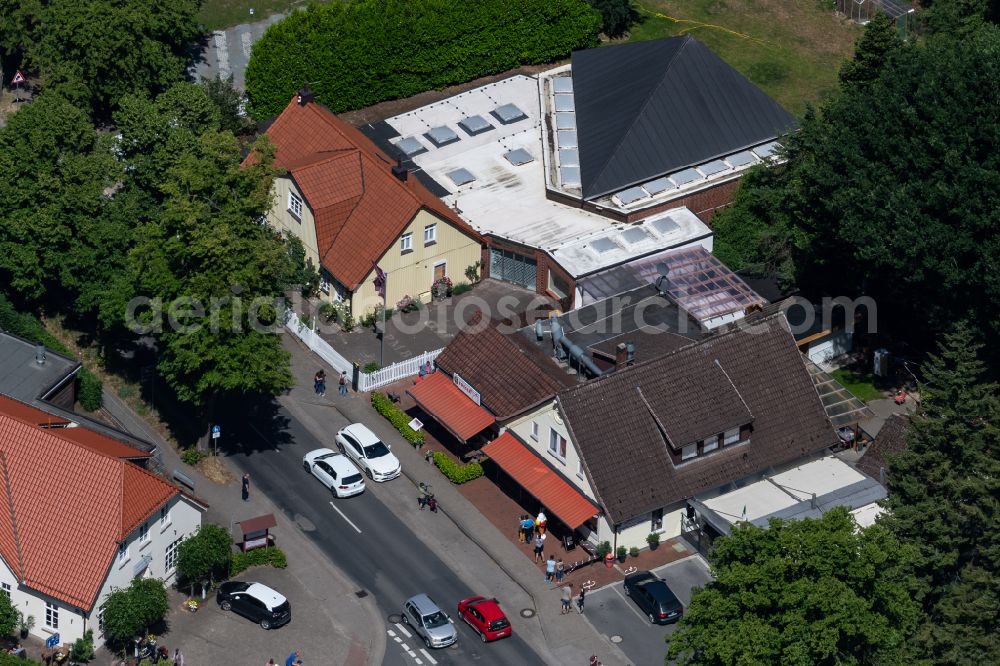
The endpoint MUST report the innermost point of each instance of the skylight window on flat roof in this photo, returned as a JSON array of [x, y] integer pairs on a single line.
[[665, 225], [565, 121], [508, 113], [565, 103], [569, 157], [519, 156], [570, 176], [411, 146], [441, 136], [657, 186], [631, 195], [602, 245], [713, 167], [562, 84], [685, 177], [635, 235], [566, 138], [740, 159], [765, 150], [474, 125], [461, 176]]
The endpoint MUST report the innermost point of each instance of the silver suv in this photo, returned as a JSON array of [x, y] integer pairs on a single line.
[[430, 622]]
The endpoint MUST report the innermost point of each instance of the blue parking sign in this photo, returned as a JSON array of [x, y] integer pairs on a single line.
[[52, 641]]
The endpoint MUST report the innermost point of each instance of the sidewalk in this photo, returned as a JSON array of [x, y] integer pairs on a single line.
[[487, 560], [355, 637]]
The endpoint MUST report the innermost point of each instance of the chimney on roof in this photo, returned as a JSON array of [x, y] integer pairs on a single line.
[[399, 171], [306, 95], [40, 354], [620, 356], [630, 353]]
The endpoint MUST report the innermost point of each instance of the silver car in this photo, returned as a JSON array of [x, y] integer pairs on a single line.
[[430, 622]]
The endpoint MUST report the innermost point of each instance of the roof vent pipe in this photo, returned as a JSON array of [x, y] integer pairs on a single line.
[[581, 358], [539, 332], [40, 354], [557, 339], [812, 501], [629, 353]]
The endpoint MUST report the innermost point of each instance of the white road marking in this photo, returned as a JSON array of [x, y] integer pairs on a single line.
[[247, 40], [628, 602], [221, 53], [427, 656], [403, 631], [398, 639], [418, 661], [391, 632], [345, 517]]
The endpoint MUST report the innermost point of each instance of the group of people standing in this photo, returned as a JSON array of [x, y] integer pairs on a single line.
[[319, 383]]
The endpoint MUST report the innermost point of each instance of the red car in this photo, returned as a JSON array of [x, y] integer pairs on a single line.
[[485, 618]]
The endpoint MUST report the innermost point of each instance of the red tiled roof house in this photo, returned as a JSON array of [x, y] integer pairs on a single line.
[[354, 211], [77, 519]]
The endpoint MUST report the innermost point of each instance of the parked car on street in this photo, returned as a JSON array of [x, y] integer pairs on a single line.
[[369, 452], [429, 622], [651, 594], [256, 602], [485, 618], [334, 471]]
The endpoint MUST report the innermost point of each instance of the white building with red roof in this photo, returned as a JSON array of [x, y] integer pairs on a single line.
[[77, 520]]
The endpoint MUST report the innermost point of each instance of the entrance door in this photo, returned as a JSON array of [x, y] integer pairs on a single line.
[[439, 271]]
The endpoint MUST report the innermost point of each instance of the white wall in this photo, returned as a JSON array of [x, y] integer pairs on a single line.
[[635, 531], [832, 346], [183, 519], [547, 418]]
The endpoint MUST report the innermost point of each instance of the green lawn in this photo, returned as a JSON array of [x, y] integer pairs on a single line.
[[219, 14], [790, 48], [860, 384]]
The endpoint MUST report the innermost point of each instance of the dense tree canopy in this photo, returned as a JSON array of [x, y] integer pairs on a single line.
[[204, 553], [892, 191], [944, 498], [801, 593], [616, 16], [354, 54], [94, 52], [130, 611]]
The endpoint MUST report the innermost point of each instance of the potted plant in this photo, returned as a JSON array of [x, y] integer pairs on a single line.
[[622, 552], [25, 624], [191, 605], [441, 288], [653, 540], [634, 551], [603, 549]]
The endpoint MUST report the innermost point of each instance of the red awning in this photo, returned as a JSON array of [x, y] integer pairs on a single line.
[[438, 396], [548, 487]]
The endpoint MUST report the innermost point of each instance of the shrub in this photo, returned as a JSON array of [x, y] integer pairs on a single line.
[[83, 647], [258, 557], [397, 417], [461, 288], [603, 549], [7, 659], [371, 367], [389, 49], [456, 473], [328, 311], [91, 389], [192, 456], [621, 552], [634, 551], [653, 539], [472, 272]]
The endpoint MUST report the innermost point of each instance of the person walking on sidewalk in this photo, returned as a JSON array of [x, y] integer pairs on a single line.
[[246, 487], [178, 657], [539, 546], [321, 383], [560, 570], [579, 599], [550, 568], [527, 528], [317, 378], [342, 383], [567, 596]]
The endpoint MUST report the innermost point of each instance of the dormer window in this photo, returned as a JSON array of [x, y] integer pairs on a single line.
[[710, 444], [731, 436], [689, 451]]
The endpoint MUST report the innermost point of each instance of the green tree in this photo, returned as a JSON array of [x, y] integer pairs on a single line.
[[130, 611], [958, 17], [231, 102], [97, 51], [809, 593], [9, 618], [879, 40], [944, 492], [204, 554], [617, 16]]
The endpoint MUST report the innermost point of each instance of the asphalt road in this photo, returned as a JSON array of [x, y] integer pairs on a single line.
[[364, 538]]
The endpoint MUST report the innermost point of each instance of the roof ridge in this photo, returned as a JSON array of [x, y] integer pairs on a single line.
[[656, 419], [13, 514], [685, 39]]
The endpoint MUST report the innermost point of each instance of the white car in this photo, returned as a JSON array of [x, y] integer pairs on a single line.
[[335, 472], [368, 451]]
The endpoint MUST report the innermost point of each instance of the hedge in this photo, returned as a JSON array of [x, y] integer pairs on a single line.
[[355, 54], [397, 417], [456, 473], [258, 557]]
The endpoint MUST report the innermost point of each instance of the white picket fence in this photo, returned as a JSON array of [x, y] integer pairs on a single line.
[[317, 344], [396, 371], [366, 382]]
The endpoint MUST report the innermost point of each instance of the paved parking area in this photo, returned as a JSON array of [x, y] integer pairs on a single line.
[[615, 617], [213, 636]]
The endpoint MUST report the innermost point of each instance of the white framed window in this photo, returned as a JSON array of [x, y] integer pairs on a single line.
[[406, 243], [557, 445], [6, 590], [579, 468], [731, 436], [100, 619], [295, 206], [51, 616], [123, 552], [170, 555], [144, 533], [534, 430], [324, 284], [164, 516], [430, 234], [689, 451], [710, 444], [657, 520]]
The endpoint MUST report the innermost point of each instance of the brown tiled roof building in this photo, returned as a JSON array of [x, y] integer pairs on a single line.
[[891, 440]]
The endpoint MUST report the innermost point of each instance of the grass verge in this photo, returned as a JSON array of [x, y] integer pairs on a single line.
[[861, 384]]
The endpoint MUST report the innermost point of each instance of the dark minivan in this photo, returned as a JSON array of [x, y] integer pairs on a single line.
[[651, 594], [256, 602]]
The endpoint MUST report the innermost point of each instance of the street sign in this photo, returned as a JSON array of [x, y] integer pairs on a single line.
[[216, 431], [52, 641]]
